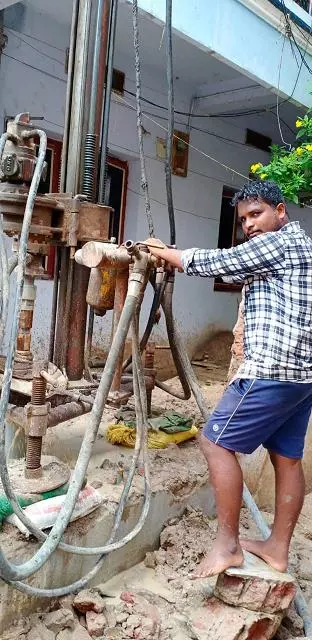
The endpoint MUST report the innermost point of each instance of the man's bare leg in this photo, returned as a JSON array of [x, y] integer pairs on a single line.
[[227, 480], [289, 496]]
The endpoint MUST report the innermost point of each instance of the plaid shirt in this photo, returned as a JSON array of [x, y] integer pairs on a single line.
[[276, 268]]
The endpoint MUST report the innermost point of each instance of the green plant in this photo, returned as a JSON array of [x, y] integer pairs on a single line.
[[291, 169]]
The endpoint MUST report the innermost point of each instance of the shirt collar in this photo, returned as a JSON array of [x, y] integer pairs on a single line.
[[291, 226]]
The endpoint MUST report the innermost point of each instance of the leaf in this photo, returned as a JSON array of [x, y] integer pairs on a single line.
[[301, 133]]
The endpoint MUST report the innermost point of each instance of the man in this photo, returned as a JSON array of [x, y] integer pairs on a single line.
[[270, 400]]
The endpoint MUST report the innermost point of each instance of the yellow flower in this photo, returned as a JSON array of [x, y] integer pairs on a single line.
[[299, 124], [299, 151], [255, 167], [309, 147], [263, 176]]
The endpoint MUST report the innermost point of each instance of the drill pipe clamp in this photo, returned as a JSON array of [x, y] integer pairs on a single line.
[[37, 419]]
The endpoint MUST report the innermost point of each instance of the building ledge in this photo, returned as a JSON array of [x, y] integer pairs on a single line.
[[271, 12]]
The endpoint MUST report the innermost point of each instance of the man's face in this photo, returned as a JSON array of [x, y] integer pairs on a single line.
[[257, 216]]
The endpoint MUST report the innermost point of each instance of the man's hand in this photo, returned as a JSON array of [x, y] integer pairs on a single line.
[[160, 250], [154, 243]]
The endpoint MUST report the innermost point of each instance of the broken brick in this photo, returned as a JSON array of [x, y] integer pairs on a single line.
[[89, 600], [256, 586], [217, 621], [96, 623]]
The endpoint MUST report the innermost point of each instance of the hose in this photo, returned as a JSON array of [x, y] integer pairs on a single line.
[[140, 446], [159, 288], [168, 160]]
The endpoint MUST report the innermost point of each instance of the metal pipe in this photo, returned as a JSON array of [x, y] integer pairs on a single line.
[[67, 411], [102, 254], [69, 92], [68, 310], [102, 195], [120, 297], [59, 335], [88, 348], [77, 323], [77, 114], [54, 304], [91, 156]]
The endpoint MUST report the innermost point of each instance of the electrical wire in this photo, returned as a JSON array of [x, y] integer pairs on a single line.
[[5, 26], [277, 96], [170, 127], [30, 66], [163, 204], [191, 146], [46, 55]]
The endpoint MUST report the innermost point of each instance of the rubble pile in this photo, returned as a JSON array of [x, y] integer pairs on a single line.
[[169, 605], [85, 617]]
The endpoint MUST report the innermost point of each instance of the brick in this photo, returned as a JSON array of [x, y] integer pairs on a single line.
[[59, 620], [89, 600], [219, 621], [256, 586], [96, 623]]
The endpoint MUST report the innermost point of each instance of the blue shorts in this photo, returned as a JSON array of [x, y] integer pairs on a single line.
[[268, 412]]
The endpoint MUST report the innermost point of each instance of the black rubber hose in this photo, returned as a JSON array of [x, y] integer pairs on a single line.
[[168, 161], [174, 343]]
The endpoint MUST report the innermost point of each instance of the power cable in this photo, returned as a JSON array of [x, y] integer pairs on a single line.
[[170, 128], [26, 64], [191, 146], [34, 38], [46, 55], [278, 86]]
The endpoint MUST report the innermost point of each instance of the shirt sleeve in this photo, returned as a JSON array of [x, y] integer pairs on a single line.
[[261, 255]]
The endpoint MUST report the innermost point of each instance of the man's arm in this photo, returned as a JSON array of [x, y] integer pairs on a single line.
[[261, 255], [160, 250]]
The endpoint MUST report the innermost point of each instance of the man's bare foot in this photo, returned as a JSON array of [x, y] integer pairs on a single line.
[[268, 552], [217, 561]]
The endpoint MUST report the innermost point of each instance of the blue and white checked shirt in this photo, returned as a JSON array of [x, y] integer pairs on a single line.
[[276, 268]]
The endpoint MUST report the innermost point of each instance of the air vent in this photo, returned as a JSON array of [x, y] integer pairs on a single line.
[[258, 140]]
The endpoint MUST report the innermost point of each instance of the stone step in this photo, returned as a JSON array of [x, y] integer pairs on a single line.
[[256, 586]]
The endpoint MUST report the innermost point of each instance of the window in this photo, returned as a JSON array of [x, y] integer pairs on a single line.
[[230, 235]]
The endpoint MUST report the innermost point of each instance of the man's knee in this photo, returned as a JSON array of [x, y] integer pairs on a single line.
[[280, 461], [210, 448]]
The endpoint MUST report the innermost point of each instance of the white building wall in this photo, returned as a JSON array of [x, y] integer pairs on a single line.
[[197, 198]]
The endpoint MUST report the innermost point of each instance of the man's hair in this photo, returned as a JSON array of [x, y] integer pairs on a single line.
[[265, 190]]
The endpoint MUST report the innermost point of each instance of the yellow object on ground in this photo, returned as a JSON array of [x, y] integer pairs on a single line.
[[122, 434]]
